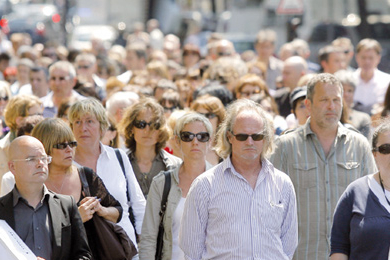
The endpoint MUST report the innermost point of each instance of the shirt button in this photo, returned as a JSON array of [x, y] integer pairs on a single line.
[[37, 228], [39, 248]]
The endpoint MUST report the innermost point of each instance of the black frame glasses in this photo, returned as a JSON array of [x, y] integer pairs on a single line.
[[64, 145], [383, 149], [244, 137], [141, 124], [189, 136]]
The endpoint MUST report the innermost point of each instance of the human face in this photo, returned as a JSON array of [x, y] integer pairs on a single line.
[[265, 50], [368, 59], [84, 69], [213, 121], [348, 94], [247, 122], [27, 173], [194, 149], [63, 157], [325, 110], [4, 98], [301, 112], [35, 110], [23, 73], [382, 160], [60, 82], [146, 137], [248, 90], [86, 129], [290, 76], [132, 61], [39, 83], [336, 62]]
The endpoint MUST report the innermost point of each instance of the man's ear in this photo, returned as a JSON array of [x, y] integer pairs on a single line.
[[11, 166], [229, 136]]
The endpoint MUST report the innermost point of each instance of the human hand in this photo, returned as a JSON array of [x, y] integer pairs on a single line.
[[88, 207]]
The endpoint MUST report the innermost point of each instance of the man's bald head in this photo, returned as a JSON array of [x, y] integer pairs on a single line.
[[294, 68], [20, 143]]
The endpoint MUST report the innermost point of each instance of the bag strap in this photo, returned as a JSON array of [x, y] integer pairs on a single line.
[[120, 160], [164, 199], [84, 182]]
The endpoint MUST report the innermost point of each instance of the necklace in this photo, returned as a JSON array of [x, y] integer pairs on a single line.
[[62, 185], [383, 188]]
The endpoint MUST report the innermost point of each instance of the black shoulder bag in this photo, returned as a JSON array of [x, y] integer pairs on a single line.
[[164, 199]]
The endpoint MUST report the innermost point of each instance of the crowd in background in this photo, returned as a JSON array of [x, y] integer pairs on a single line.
[[134, 97]]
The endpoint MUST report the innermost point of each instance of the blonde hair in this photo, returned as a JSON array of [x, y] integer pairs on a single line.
[[45, 129], [89, 106], [18, 106]]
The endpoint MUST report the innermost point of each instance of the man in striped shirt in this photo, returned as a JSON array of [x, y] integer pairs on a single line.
[[322, 158], [243, 208]]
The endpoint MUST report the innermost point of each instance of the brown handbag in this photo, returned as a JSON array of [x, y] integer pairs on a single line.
[[108, 241]]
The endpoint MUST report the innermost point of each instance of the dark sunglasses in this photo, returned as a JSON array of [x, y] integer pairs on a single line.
[[141, 124], [188, 136], [249, 93], [383, 149], [243, 137], [4, 98], [169, 109], [83, 67], [62, 146], [208, 115]]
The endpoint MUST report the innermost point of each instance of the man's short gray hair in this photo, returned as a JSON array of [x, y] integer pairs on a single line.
[[324, 78]]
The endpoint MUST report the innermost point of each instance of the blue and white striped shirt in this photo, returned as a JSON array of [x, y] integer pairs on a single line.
[[224, 218]]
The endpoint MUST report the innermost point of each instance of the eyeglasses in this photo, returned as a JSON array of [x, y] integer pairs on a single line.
[[243, 137], [223, 54], [141, 124], [169, 109], [63, 146], [208, 115], [188, 136], [249, 93], [4, 98], [186, 53], [83, 67], [59, 78], [383, 149], [35, 160]]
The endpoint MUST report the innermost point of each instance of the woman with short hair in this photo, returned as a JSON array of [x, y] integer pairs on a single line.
[[193, 135]]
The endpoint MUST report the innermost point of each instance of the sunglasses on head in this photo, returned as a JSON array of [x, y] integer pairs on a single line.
[[141, 124], [62, 146], [383, 149], [188, 136], [243, 137], [208, 115]]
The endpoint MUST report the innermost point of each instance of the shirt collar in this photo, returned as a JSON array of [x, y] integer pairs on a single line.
[[17, 196], [266, 167], [341, 130]]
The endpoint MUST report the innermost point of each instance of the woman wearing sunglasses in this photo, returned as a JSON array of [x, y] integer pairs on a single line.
[[213, 109], [361, 225], [146, 134], [192, 133]]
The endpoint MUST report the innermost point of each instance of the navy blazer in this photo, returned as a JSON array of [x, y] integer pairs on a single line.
[[69, 240]]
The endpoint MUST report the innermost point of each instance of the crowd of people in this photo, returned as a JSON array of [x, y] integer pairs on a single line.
[[217, 155]]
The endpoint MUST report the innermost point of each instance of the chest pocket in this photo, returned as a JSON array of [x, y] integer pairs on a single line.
[[346, 173], [305, 175]]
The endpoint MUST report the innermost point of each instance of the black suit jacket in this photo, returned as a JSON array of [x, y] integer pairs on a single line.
[[69, 240]]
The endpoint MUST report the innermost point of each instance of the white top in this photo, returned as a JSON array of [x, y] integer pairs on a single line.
[[110, 171], [378, 191], [177, 253], [7, 183], [373, 91]]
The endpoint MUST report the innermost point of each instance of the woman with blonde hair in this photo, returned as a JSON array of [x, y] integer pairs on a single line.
[[17, 109], [88, 120], [192, 135], [146, 134]]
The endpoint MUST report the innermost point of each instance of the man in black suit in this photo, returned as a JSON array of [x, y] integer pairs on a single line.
[[48, 223]]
